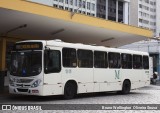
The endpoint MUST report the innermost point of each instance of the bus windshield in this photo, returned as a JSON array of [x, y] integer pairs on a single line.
[[26, 63]]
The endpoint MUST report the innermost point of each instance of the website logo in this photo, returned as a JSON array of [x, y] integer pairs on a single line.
[[6, 107]]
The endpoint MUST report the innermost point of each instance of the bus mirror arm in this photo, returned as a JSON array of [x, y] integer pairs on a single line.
[[47, 48]]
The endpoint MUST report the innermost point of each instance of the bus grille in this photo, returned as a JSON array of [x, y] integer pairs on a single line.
[[24, 80], [22, 90]]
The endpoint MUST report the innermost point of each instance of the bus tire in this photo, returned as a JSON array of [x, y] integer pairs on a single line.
[[70, 90], [126, 87]]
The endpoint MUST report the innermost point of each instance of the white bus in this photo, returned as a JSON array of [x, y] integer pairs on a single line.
[[58, 68]]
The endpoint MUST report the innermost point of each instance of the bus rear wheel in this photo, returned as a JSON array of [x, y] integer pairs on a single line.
[[70, 90], [126, 87]]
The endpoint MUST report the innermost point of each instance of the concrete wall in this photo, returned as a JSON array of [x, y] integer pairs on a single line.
[[71, 7], [45, 2], [158, 18], [133, 12]]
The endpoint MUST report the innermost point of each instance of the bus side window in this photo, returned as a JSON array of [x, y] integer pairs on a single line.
[[145, 62], [137, 61], [100, 59], [126, 60], [52, 61], [114, 60], [69, 57], [85, 58]]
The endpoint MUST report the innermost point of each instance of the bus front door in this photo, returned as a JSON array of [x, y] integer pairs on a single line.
[[52, 70]]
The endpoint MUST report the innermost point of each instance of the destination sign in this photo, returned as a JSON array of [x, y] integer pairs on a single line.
[[28, 46]]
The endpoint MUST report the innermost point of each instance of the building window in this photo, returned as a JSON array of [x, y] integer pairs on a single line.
[[112, 10], [93, 7], [88, 5], [80, 3], [66, 8], [70, 9], [66, 1], [54, 5], [84, 4], [61, 1], [71, 2], [61, 7], [88, 13], [92, 14], [76, 3], [140, 5], [120, 11]]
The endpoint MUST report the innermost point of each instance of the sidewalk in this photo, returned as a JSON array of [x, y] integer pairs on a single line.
[[158, 83]]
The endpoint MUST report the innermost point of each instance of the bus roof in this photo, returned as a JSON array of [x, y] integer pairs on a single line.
[[59, 43]]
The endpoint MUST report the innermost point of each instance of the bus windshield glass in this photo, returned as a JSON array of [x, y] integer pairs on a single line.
[[26, 63]]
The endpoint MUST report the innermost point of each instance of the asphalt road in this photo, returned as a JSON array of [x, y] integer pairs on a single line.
[[146, 95]]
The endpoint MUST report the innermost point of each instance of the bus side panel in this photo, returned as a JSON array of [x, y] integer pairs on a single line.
[[85, 88], [109, 79], [52, 84], [85, 80], [146, 77], [82, 76], [52, 90], [136, 77], [114, 77], [100, 79]]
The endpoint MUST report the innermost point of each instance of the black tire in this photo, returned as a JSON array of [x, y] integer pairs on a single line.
[[70, 90], [126, 87]]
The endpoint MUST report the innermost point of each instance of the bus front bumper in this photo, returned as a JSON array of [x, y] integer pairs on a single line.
[[26, 91]]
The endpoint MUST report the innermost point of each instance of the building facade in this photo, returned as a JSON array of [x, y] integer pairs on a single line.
[[145, 14], [115, 10], [87, 7]]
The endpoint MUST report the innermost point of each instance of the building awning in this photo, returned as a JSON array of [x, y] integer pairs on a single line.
[[28, 20]]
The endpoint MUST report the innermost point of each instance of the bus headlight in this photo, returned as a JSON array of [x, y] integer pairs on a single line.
[[36, 83]]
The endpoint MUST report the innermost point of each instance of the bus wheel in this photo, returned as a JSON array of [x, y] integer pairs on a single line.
[[126, 87], [70, 90]]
